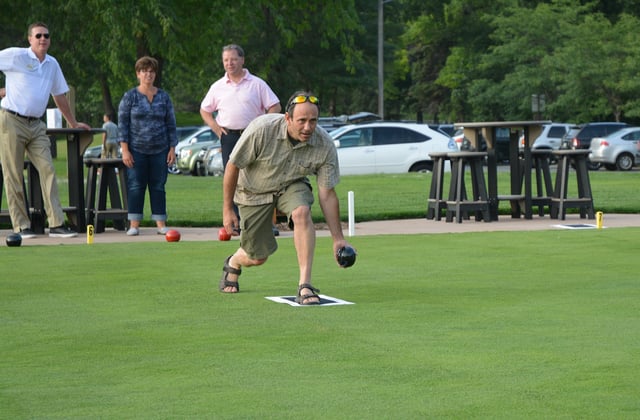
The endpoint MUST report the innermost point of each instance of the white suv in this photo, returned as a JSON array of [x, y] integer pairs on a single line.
[[551, 136], [388, 147]]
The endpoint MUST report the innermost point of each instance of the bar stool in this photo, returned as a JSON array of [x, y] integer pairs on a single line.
[[515, 198], [544, 185], [457, 204], [584, 201], [102, 177], [436, 203]]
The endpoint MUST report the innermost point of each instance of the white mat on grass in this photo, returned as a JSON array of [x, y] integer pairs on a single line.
[[324, 301], [577, 226]]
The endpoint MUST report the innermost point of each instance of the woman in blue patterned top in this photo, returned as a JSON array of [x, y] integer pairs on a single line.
[[147, 136]]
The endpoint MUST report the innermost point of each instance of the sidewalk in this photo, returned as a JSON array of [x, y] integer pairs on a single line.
[[386, 227]]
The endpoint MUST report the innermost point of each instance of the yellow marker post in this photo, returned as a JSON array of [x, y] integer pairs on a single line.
[[89, 234], [599, 217]]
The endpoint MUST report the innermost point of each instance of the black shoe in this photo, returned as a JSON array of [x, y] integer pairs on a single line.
[[27, 234], [62, 232], [275, 231]]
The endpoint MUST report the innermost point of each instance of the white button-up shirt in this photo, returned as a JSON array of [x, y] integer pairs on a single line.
[[29, 82]]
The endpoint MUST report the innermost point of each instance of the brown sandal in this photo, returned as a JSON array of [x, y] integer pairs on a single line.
[[226, 270], [314, 294]]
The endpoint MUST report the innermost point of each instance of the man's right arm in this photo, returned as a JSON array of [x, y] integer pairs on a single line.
[[229, 184], [208, 119]]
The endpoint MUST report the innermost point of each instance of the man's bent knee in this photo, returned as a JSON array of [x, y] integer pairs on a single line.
[[301, 215], [259, 261]]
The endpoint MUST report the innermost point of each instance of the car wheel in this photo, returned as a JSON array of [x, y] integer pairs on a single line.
[[200, 169], [422, 167], [624, 162], [593, 166]]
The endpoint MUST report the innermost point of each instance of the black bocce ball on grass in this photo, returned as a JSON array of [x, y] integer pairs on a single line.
[[14, 239]]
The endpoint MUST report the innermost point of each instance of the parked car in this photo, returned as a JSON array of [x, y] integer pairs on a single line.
[[446, 129], [619, 150], [200, 134], [188, 149], [331, 123], [213, 161], [579, 137], [188, 162], [388, 147], [186, 131], [200, 165], [551, 136], [203, 157]]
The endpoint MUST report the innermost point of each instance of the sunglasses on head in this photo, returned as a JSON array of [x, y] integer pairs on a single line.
[[38, 36], [302, 99]]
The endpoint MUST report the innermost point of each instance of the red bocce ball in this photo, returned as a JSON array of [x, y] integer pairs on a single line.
[[172, 235]]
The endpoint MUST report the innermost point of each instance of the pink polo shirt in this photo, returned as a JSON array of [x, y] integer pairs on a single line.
[[238, 104]]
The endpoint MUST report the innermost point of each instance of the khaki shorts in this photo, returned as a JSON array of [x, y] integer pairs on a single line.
[[256, 222]]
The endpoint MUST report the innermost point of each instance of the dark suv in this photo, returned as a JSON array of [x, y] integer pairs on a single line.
[[579, 137]]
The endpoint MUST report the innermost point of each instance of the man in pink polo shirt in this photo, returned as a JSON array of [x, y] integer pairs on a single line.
[[238, 97]]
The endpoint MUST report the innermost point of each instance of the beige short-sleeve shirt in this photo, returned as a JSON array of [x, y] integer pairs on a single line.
[[269, 162]]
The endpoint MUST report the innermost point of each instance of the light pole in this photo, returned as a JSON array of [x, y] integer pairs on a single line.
[[381, 59]]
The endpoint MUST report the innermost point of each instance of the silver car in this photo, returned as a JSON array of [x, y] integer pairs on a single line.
[[213, 162], [617, 151]]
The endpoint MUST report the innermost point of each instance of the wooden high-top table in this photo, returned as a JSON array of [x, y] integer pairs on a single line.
[[531, 130]]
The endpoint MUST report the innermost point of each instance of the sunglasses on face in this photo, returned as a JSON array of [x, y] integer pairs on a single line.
[[38, 36], [302, 99]]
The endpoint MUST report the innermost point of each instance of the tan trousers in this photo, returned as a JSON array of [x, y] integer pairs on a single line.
[[17, 137], [109, 150]]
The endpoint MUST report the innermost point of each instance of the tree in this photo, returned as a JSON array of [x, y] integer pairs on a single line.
[[445, 62], [596, 69], [512, 69]]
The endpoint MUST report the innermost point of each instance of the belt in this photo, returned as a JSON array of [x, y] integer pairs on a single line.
[[30, 119], [230, 131]]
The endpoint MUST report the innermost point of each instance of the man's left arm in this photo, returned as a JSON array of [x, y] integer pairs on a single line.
[[63, 105], [330, 206]]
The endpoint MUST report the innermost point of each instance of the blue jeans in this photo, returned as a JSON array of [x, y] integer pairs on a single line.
[[149, 171]]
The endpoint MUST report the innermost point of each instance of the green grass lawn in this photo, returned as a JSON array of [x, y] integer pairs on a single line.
[[478, 325]]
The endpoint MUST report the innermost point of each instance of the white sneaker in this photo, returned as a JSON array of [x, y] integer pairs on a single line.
[[133, 232], [163, 230], [62, 232], [27, 234]]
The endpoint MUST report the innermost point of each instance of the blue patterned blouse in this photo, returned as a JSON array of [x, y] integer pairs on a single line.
[[148, 128]]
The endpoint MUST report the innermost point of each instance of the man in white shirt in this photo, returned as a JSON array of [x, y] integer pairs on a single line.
[[31, 76]]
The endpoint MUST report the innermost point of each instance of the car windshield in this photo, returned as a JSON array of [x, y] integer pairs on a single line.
[[572, 132], [335, 133]]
